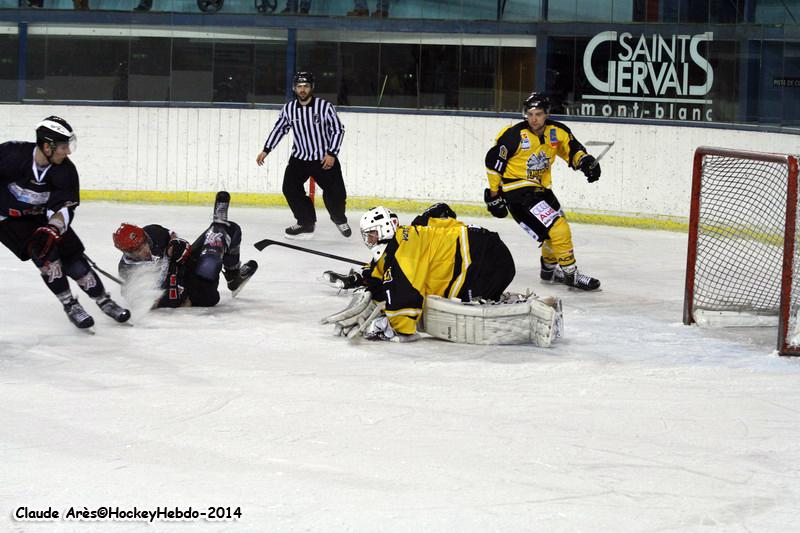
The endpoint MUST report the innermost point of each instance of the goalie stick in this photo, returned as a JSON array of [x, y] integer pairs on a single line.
[[260, 245]]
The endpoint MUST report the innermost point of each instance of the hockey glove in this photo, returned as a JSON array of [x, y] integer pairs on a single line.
[[179, 250], [42, 241], [496, 205], [439, 210], [343, 281], [590, 168]]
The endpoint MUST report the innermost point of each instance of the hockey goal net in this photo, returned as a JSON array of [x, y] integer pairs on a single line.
[[742, 266]]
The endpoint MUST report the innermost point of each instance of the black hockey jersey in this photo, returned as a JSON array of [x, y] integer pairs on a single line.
[[173, 277], [27, 190]]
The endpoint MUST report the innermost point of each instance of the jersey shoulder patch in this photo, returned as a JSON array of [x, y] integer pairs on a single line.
[[558, 124]]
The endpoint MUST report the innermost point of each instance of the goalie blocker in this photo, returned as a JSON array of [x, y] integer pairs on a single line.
[[517, 319]]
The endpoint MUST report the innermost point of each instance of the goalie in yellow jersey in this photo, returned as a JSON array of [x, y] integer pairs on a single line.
[[519, 170], [453, 273]]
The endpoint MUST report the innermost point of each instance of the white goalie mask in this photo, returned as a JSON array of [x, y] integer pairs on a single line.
[[378, 226]]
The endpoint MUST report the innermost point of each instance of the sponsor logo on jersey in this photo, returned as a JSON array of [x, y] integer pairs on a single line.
[[387, 276], [536, 165], [545, 213], [214, 239], [525, 142], [553, 137], [28, 196]]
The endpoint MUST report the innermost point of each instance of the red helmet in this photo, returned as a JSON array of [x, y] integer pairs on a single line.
[[128, 237]]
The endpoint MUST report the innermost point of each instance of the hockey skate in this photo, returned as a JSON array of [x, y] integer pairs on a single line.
[[238, 278], [344, 229], [300, 231], [112, 309], [78, 315], [581, 281], [551, 273], [221, 204]]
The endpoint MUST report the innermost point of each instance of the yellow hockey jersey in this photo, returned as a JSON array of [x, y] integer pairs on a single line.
[[521, 159], [419, 261]]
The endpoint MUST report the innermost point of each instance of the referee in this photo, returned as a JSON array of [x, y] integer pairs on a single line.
[[318, 134]]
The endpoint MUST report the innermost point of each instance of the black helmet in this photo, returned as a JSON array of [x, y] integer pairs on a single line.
[[536, 100], [303, 77], [55, 130]]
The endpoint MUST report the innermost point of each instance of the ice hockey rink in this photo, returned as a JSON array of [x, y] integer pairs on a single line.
[[632, 422]]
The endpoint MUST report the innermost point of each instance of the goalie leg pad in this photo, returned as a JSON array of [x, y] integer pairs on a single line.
[[511, 321]]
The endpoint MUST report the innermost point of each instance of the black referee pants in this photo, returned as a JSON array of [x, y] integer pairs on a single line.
[[333, 192]]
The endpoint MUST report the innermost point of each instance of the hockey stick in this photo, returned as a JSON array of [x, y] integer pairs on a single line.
[[103, 272], [260, 245], [380, 96], [607, 145]]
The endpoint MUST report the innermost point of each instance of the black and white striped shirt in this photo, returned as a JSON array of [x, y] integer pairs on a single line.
[[316, 128]]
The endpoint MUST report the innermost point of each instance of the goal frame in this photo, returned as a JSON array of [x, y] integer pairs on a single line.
[[784, 348]]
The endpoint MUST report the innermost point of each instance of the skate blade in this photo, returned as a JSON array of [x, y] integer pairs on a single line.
[[240, 287], [576, 289], [88, 331], [299, 237]]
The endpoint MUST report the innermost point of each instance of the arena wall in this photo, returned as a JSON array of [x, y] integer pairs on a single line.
[[180, 154]]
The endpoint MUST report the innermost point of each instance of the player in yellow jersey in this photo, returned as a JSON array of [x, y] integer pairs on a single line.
[[448, 259], [453, 274], [519, 170]]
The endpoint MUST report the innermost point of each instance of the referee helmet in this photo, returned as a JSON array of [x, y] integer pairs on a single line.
[[303, 77]]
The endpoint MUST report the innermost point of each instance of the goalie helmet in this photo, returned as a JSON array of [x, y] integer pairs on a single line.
[[55, 130], [128, 237], [378, 226], [536, 100]]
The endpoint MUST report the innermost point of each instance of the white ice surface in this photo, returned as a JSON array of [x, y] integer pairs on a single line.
[[633, 422]]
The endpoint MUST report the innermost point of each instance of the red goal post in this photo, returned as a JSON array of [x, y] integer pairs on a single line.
[[742, 263]]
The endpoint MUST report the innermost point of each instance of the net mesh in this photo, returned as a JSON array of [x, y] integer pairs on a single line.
[[740, 235]]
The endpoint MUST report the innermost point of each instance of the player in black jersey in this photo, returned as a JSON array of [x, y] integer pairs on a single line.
[[39, 192], [188, 273]]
